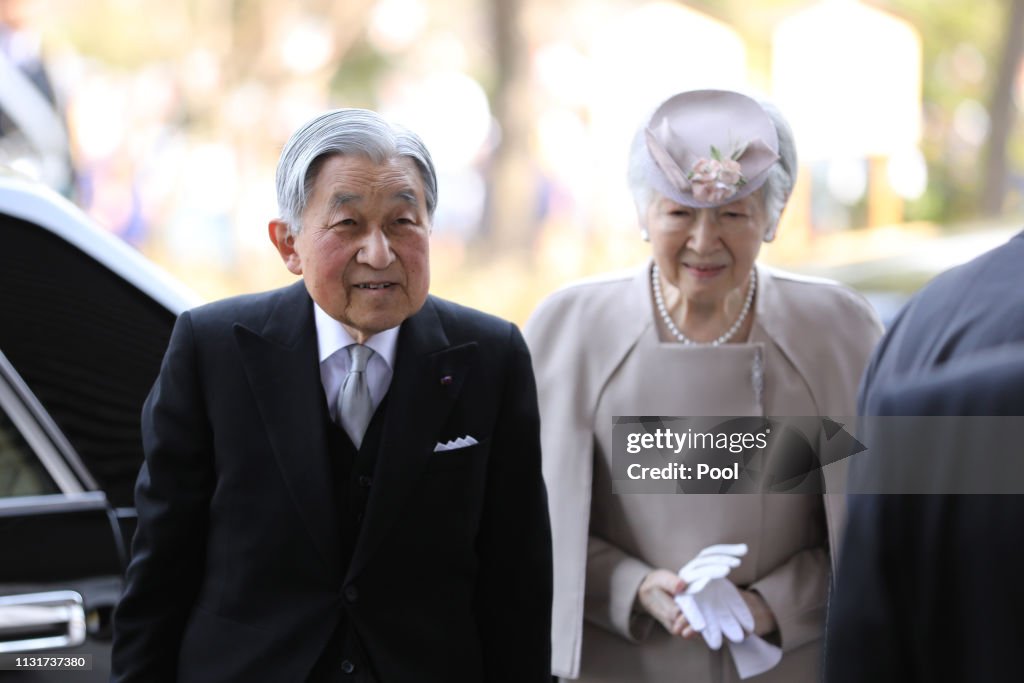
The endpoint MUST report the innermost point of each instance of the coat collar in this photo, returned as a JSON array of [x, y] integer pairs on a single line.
[[630, 316], [768, 302], [280, 361]]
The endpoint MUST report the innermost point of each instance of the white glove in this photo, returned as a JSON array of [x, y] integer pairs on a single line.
[[714, 562], [721, 598], [712, 604], [716, 610]]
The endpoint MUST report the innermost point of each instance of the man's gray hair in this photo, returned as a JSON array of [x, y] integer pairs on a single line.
[[776, 189], [347, 132]]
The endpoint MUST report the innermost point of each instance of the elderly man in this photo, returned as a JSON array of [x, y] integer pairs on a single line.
[[342, 477]]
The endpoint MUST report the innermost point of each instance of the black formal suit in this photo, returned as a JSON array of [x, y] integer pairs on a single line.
[[240, 570], [929, 586]]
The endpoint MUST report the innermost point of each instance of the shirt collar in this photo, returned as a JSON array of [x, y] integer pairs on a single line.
[[331, 336]]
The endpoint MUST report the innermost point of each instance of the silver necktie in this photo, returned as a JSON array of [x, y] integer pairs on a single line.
[[354, 403]]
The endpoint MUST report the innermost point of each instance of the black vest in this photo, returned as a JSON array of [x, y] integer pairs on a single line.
[[352, 472]]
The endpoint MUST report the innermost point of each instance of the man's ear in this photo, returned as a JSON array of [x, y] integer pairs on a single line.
[[284, 240]]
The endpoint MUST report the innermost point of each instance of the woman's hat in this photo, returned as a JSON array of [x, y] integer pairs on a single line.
[[707, 148]]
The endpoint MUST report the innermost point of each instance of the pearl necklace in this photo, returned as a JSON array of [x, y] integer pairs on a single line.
[[659, 301]]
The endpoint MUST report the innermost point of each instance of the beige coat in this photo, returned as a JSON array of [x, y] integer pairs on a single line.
[[596, 354]]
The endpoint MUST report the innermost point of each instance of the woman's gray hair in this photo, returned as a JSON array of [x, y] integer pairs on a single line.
[[345, 131], [776, 189]]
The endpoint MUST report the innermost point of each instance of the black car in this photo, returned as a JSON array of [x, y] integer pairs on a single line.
[[84, 321]]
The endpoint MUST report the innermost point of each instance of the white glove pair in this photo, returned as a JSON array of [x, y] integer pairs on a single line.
[[712, 604]]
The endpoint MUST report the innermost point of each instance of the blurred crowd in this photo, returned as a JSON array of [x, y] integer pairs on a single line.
[[163, 121]]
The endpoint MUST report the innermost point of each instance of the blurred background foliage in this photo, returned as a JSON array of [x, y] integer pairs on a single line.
[[176, 112]]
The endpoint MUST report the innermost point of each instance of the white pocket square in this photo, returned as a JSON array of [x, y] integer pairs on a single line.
[[455, 444]]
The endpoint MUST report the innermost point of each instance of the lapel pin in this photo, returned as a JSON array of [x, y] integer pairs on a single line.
[[446, 380]]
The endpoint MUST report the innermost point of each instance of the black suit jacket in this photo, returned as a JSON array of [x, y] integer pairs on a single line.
[[966, 310], [236, 572], [929, 586]]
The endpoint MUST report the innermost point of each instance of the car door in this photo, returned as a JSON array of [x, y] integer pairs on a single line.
[[84, 322], [63, 550]]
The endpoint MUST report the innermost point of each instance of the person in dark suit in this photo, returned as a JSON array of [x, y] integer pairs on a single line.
[[342, 477], [929, 585]]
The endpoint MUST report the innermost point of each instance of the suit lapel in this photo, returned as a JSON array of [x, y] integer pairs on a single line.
[[281, 363], [429, 374]]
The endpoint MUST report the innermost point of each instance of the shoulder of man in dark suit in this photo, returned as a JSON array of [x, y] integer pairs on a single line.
[[249, 310], [969, 308], [464, 324]]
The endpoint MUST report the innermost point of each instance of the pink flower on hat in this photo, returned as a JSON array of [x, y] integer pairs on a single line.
[[705, 170], [731, 173], [715, 179]]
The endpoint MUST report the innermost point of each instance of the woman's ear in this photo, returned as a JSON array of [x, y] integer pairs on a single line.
[[769, 234]]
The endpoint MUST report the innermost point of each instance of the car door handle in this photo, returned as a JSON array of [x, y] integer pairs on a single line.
[[40, 621]]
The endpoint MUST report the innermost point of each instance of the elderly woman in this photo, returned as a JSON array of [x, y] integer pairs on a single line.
[[702, 329]]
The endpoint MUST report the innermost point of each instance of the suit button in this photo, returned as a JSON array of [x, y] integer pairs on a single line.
[[365, 481], [347, 667], [351, 593]]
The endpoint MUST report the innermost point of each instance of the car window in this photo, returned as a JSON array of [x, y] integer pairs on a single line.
[[86, 342], [21, 473]]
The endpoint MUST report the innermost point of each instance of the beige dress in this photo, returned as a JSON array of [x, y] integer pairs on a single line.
[[597, 355]]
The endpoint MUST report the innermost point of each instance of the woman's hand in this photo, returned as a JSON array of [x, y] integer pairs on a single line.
[[657, 596], [764, 619]]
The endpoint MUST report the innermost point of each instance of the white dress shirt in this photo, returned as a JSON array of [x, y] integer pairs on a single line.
[[332, 341]]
